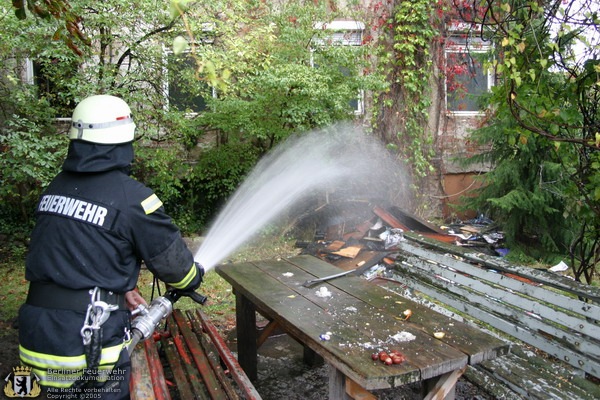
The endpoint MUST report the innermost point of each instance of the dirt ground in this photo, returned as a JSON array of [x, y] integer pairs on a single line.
[[283, 375], [9, 350]]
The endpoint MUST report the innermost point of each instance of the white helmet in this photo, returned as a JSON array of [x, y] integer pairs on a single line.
[[102, 119]]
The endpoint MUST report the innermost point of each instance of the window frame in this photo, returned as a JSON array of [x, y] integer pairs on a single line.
[[206, 38], [31, 78], [167, 52], [341, 29], [468, 46]]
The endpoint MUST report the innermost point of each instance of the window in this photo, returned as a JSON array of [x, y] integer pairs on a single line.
[[344, 33], [50, 78], [184, 91], [466, 76], [347, 33]]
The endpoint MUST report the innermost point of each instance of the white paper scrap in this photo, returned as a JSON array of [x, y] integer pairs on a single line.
[[561, 266], [323, 292], [403, 336]]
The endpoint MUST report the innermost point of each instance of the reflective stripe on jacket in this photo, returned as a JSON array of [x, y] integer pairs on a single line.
[[63, 371]]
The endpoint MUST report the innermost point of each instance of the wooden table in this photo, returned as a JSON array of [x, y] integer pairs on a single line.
[[362, 318]]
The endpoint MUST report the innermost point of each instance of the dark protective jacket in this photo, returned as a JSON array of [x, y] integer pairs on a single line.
[[94, 226]]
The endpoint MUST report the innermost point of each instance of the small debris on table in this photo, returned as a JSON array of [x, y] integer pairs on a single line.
[[403, 337], [323, 292]]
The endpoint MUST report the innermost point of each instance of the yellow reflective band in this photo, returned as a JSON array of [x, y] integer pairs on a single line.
[[63, 371], [151, 204], [188, 278], [42, 360]]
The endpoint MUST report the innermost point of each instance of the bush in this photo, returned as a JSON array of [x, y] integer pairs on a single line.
[[32, 154], [215, 177]]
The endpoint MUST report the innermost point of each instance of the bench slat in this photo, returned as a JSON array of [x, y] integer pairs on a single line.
[[177, 369], [581, 361], [534, 314], [234, 368], [212, 359], [192, 374], [548, 311], [529, 376], [156, 371], [192, 349], [573, 305], [553, 280], [140, 386]]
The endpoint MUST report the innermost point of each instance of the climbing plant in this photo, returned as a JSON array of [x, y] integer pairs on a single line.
[[408, 60]]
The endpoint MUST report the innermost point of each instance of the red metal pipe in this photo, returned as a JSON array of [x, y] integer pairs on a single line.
[[161, 392], [232, 364]]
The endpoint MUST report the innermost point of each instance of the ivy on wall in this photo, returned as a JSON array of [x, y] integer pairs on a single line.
[[413, 34], [408, 60]]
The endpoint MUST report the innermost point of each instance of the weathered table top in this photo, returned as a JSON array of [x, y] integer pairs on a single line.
[[362, 318]]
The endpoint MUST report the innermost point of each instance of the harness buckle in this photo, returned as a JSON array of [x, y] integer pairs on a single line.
[[97, 314]]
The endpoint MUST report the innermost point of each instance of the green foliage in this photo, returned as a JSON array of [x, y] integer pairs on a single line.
[[14, 289], [407, 61], [524, 192], [215, 177], [160, 168], [32, 153], [291, 78], [271, 72], [282, 100]]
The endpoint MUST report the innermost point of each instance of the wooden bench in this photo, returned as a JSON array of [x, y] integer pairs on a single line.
[[187, 360], [541, 310]]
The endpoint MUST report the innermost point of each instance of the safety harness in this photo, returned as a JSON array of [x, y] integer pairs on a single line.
[[97, 314]]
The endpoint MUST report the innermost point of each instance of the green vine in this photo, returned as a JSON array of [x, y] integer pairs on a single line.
[[413, 35], [409, 62]]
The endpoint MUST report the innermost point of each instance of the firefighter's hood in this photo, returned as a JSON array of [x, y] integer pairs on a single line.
[[92, 157]]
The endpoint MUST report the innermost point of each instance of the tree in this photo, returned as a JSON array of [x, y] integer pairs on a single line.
[[290, 76], [547, 61], [289, 73], [408, 112], [260, 73], [59, 10]]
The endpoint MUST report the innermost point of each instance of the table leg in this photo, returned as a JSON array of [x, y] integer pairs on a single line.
[[311, 357], [337, 384], [443, 386], [247, 336]]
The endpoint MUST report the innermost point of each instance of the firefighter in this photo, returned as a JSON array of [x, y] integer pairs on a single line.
[[94, 226]]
